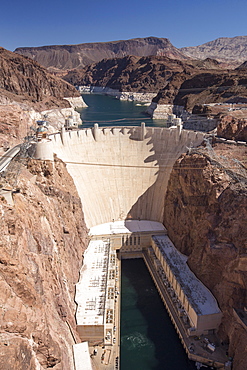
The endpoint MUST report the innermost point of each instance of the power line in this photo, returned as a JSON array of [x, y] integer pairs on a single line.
[[174, 165]]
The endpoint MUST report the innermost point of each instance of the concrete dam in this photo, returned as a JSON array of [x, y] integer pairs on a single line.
[[121, 175], [122, 172]]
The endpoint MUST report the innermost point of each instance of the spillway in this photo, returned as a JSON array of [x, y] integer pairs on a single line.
[[122, 172]]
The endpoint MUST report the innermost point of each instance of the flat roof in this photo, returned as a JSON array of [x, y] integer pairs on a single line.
[[199, 296], [90, 290], [82, 356], [126, 227]]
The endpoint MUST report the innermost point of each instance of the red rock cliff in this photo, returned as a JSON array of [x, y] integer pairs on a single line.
[[206, 218], [42, 239], [30, 82]]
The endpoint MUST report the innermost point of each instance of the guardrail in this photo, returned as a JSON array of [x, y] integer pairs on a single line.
[[8, 156]]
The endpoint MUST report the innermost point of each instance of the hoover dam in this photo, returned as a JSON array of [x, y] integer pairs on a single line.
[[122, 173]]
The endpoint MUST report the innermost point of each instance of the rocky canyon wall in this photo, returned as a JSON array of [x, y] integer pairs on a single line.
[[206, 218], [17, 122], [27, 93], [42, 239]]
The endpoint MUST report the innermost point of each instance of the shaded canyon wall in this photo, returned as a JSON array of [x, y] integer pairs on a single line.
[[206, 218]]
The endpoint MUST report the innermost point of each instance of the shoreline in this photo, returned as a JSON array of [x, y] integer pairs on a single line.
[[121, 95]]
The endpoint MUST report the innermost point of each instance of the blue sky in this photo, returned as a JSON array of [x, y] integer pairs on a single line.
[[185, 23]]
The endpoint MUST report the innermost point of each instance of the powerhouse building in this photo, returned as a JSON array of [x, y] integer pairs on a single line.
[[193, 301], [97, 291]]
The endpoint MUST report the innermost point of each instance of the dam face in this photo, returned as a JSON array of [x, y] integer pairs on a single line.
[[122, 173]]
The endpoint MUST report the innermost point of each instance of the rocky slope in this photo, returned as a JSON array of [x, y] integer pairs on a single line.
[[42, 239], [138, 74], [29, 82], [206, 217], [13, 126], [145, 74], [232, 127], [77, 56], [194, 87], [225, 49], [26, 89]]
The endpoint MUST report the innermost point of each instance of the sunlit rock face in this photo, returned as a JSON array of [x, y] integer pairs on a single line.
[[57, 57], [42, 239], [32, 82], [232, 127], [231, 50]]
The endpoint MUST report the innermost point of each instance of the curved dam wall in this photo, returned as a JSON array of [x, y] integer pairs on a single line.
[[122, 173]]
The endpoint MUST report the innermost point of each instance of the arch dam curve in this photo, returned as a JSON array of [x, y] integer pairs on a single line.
[[122, 172]]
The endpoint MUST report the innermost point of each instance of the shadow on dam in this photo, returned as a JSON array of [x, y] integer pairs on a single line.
[[166, 145]]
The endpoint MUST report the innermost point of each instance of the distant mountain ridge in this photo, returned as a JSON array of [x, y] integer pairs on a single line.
[[223, 49], [232, 51], [69, 57]]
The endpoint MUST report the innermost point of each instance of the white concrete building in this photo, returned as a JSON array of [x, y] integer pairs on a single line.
[[194, 301], [82, 356], [98, 288]]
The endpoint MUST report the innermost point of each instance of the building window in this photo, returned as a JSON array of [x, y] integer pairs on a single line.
[[111, 293], [109, 316], [112, 274], [112, 260]]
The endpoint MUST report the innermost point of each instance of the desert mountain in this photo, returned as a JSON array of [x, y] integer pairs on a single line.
[[224, 49], [229, 50], [138, 74], [130, 73], [196, 87], [77, 56], [26, 88], [22, 79]]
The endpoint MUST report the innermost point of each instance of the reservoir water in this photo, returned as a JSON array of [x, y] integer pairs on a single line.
[[109, 111], [148, 338]]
